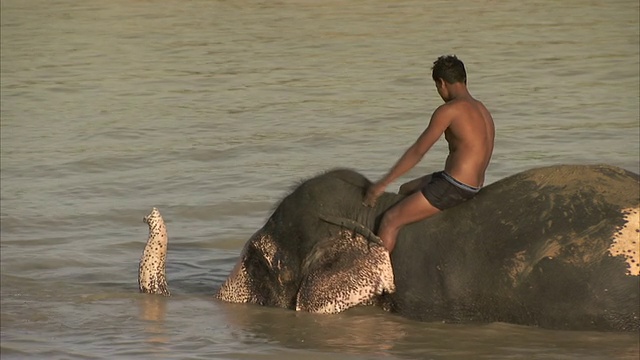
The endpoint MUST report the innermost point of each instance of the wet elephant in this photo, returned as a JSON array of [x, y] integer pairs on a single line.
[[555, 247]]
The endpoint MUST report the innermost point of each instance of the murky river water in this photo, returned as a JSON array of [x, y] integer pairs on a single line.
[[212, 110]]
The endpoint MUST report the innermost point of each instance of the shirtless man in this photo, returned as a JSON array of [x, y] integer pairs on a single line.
[[468, 128]]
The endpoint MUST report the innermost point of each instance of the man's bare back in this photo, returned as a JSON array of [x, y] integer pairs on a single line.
[[469, 130], [470, 136]]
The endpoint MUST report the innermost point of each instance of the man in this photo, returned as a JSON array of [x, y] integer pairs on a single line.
[[468, 128]]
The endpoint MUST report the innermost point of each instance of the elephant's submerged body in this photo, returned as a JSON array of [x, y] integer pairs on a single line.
[[555, 247]]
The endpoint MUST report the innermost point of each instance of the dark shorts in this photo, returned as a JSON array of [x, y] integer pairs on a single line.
[[443, 191]]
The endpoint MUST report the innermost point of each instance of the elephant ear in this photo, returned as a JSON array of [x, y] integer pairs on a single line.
[[349, 269]]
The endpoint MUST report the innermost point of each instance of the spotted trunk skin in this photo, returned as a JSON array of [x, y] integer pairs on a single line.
[[151, 273]]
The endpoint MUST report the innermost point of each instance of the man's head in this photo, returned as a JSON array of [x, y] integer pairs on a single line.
[[448, 70]]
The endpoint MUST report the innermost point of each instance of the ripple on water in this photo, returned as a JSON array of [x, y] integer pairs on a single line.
[[214, 121]]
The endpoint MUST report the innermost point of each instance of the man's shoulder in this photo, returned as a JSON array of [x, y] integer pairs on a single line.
[[458, 106], [447, 107], [452, 107], [465, 102]]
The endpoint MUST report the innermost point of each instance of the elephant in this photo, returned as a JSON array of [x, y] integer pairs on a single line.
[[554, 247]]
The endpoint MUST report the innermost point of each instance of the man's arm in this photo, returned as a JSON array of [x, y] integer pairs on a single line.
[[440, 121]]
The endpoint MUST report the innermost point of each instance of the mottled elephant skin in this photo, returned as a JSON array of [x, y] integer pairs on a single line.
[[555, 247]]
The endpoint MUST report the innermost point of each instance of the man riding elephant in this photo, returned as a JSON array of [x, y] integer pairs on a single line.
[[468, 128]]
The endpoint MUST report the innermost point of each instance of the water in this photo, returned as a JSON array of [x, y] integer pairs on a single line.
[[213, 110]]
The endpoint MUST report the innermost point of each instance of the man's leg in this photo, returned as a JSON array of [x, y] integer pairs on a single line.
[[413, 208], [414, 185]]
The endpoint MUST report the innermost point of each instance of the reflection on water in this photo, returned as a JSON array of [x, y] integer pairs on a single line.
[[152, 311], [213, 110], [362, 331], [372, 332]]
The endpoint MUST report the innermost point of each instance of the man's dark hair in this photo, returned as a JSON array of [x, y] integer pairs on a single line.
[[449, 68]]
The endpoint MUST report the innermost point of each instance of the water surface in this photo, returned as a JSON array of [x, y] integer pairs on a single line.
[[213, 110]]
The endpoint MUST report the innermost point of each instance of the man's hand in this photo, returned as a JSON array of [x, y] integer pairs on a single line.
[[373, 193]]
